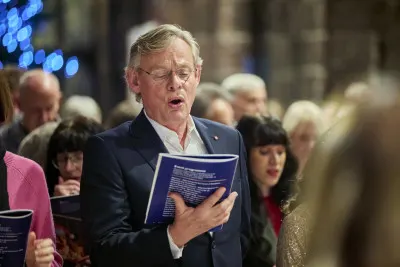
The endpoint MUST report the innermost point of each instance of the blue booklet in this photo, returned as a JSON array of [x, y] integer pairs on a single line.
[[194, 177], [69, 231], [14, 231]]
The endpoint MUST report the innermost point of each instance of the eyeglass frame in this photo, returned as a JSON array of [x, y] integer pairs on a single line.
[[169, 74], [74, 160]]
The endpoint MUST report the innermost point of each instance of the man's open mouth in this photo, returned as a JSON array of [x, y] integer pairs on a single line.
[[175, 102]]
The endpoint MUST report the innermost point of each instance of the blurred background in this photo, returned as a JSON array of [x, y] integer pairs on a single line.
[[301, 48]]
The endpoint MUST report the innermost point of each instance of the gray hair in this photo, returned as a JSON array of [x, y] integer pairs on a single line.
[[78, 105], [157, 40], [240, 82], [213, 91], [206, 93]]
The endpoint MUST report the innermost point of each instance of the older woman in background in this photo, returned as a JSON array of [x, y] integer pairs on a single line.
[[23, 186], [271, 168], [304, 123], [65, 154]]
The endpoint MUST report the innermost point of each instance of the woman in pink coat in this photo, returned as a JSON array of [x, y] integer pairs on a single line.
[[23, 186]]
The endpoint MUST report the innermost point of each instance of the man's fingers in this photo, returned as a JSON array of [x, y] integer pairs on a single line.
[[228, 202], [214, 198], [180, 205]]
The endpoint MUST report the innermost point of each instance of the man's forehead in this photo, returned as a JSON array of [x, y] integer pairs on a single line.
[[177, 53]]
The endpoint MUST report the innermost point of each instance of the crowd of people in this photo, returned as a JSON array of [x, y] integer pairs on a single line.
[[315, 185]]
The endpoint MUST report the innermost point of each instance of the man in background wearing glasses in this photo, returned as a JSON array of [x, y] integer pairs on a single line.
[[118, 169]]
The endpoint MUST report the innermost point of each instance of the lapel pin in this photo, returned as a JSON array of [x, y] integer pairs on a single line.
[[215, 138]]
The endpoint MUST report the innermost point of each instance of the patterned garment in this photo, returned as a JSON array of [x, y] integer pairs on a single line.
[[293, 239]]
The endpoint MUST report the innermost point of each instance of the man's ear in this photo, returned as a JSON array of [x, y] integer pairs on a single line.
[[132, 80], [198, 73]]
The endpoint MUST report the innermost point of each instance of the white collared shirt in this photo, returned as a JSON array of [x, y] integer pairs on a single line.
[[193, 145]]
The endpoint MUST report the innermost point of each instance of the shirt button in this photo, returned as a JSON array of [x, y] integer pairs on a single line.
[[213, 245]]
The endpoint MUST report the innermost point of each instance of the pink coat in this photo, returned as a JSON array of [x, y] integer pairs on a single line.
[[27, 189]]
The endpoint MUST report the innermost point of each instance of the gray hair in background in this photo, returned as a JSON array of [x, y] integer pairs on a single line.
[[206, 93], [34, 145], [241, 82], [157, 40], [77, 105], [126, 110]]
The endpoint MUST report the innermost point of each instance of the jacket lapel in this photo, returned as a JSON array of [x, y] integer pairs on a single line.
[[146, 140], [208, 137]]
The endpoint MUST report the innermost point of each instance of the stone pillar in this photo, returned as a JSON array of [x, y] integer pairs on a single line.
[[296, 38], [352, 46], [220, 29]]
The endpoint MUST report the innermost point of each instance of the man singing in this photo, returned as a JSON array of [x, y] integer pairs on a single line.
[[163, 72]]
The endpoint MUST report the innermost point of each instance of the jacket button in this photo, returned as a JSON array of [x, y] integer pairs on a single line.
[[213, 245]]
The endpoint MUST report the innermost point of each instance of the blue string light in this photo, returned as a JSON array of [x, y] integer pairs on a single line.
[[15, 31], [72, 66]]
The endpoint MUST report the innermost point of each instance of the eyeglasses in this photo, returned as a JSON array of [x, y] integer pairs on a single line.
[[75, 159], [164, 75]]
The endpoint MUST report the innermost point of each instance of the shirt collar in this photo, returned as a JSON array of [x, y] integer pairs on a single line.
[[164, 132]]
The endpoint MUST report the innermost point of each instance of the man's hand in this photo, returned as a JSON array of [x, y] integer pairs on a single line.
[[191, 222], [39, 253], [67, 188]]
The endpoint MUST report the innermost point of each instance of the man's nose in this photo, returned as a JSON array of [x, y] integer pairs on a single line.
[[174, 81], [45, 116], [260, 107]]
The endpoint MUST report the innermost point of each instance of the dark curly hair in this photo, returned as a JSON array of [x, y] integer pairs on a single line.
[[69, 136]]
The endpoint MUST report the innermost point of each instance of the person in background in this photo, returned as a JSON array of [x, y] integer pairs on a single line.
[[34, 145], [353, 196], [78, 105], [248, 93], [304, 123], [23, 186], [14, 74], [213, 103], [123, 112], [39, 101], [164, 71], [65, 154], [275, 108], [272, 169]]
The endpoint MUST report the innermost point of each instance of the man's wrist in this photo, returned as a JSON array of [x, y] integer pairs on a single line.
[[177, 236]]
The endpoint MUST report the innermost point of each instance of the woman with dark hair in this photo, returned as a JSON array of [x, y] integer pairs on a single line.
[[23, 186], [272, 168], [65, 154]]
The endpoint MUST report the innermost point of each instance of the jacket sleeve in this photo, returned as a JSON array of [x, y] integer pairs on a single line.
[[106, 215], [246, 202]]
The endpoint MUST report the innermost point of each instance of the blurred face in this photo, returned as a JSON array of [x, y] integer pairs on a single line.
[[267, 163], [167, 81], [221, 111], [70, 165], [250, 103], [40, 106], [303, 140]]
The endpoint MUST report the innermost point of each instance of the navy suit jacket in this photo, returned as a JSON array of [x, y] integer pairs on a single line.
[[118, 172]]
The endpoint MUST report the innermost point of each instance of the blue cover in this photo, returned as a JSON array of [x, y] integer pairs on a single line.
[[14, 231], [194, 177]]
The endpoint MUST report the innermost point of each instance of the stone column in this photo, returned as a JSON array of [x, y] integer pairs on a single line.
[[296, 38]]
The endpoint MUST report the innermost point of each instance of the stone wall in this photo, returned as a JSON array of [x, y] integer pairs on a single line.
[[310, 45]]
